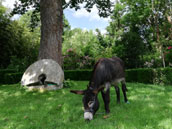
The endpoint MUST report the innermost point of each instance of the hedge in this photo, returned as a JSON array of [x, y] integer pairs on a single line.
[[12, 78], [133, 75], [162, 76], [140, 75], [3, 72], [80, 75]]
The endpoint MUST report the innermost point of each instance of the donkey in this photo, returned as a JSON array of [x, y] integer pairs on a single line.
[[106, 71]]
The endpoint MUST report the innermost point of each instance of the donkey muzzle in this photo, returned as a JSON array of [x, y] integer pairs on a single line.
[[88, 115]]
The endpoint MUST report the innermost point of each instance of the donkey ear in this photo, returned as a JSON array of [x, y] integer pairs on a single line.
[[96, 91], [79, 92]]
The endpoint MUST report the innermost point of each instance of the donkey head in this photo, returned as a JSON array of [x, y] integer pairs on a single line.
[[89, 100]]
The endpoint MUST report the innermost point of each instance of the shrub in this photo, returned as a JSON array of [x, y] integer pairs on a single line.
[[12, 78], [131, 75], [162, 76], [68, 83], [142, 75], [72, 60], [3, 72], [78, 74], [18, 64]]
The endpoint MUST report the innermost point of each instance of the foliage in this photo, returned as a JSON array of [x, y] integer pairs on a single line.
[[78, 75], [82, 48], [3, 72], [12, 78], [138, 30], [63, 110], [18, 64], [168, 55], [5, 31], [140, 75], [160, 76], [133, 34], [19, 45], [132, 50], [68, 83], [126, 36], [81, 41], [73, 60], [21, 7]]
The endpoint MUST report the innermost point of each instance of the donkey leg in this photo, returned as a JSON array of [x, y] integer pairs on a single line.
[[124, 91], [117, 93], [106, 99]]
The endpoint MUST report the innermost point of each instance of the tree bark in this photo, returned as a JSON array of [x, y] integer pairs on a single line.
[[51, 30], [169, 18], [158, 40]]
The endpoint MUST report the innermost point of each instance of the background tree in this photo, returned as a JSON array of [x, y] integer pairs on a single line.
[[125, 33], [17, 41], [144, 21]]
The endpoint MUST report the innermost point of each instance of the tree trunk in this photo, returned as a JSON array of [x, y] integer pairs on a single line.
[[160, 45], [170, 22], [51, 30]]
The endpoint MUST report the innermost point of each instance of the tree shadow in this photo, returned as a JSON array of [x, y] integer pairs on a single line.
[[150, 107]]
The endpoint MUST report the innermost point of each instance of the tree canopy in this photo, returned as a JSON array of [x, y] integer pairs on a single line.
[[22, 6], [51, 13], [140, 29]]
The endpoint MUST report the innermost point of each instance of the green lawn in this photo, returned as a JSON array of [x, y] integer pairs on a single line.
[[150, 107]]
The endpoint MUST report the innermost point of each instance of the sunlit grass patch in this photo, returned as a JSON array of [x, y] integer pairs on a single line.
[[150, 107]]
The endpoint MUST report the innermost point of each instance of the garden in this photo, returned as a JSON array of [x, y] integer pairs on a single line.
[[138, 32]]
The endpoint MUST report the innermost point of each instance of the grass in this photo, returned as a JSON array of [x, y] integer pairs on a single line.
[[150, 107]]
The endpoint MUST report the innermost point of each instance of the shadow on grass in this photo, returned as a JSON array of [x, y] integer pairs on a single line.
[[150, 107]]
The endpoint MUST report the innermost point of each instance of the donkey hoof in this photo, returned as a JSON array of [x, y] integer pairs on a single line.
[[106, 116], [127, 102], [108, 111]]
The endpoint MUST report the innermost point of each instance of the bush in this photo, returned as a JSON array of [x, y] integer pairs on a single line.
[[18, 64], [3, 72], [72, 60], [132, 75], [68, 83], [142, 75], [12, 78], [78, 75], [162, 76]]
